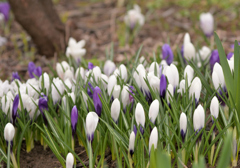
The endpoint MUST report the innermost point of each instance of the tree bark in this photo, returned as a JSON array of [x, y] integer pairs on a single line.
[[42, 23]]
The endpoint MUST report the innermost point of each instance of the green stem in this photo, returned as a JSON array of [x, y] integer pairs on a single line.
[[14, 160], [90, 156], [212, 149], [8, 156]]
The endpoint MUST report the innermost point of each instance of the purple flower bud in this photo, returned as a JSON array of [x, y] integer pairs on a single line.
[[90, 90], [96, 100], [163, 86], [229, 56], [167, 54], [90, 65], [38, 71], [15, 76], [43, 105], [14, 109], [74, 119], [135, 130], [31, 68], [214, 58], [4, 9]]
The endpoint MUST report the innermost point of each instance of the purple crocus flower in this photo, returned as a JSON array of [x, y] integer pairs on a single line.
[[43, 105], [90, 65], [167, 54], [4, 9], [229, 56], [96, 100], [15, 76], [74, 119], [214, 58], [14, 108], [163, 86], [33, 70]]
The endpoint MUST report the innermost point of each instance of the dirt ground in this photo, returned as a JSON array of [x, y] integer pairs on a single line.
[[100, 24]]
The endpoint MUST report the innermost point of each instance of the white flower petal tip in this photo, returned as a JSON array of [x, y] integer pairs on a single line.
[[69, 160]]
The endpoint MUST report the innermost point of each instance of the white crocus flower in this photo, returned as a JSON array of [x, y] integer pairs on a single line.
[[140, 115], [68, 75], [109, 67], [75, 49], [85, 98], [207, 23], [154, 66], [171, 72], [62, 68], [96, 73], [4, 88], [214, 107], [195, 89], [136, 75], [115, 110], [3, 40], [116, 91], [181, 89], [80, 71], [44, 82], [154, 82], [186, 38], [9, 132], [131, 143], [104, 80], [153, 139], [133, 17], [169, 93], [217, 76], [183, 124], [125, 96], [91, 125], [58, 85], [153, 111], [33, 88], [189, 51], [123, 72], [69, 160], [199, 118], [112, 81], [204, 53], [188, 74], [143, 61], [7, 104]]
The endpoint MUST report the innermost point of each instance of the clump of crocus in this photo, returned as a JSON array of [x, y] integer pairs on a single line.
[[69, 160], [131, 142], [167, 53], [75, 49], [115, 110], [207, 23], [33, 70], [134, 17], [96, 100], [153, 139], [140, 117], [91, 125]]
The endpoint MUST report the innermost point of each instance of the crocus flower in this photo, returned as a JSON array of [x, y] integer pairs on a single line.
[[104, 79], [74, 120], [91, 125], [123, 72], [43, 105], [181, 89], [80, 71], [188, 74], [199, 118], [57, 84], [14, 108], [136, 74], [131, 98], [75, 49], [112, 81], [32, 88], [7, 104], [143, 61], [140, 117], [153, 111], [214, 59], [33, 70], [207, 23], [214, 107], [189, 51], [195, 89], [125, 97], [44, 82], [183, 125], [69, 160], [167, 53], [131, 143], [115, 110], [61, 68], [116, 91], [15, 76], [96, 100], [5, 9], [163, 86], [171, 72], [153, 139], [154, 82], [229, 56], [96, 72], [204, 52], [154, 66], [134, 17], [109, 67], [9, 132], [4, 87], [90, 65]]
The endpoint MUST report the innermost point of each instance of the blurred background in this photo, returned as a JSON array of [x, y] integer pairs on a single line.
[[101, 24]]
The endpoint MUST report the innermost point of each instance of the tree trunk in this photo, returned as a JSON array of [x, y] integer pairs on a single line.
[[42, 23]]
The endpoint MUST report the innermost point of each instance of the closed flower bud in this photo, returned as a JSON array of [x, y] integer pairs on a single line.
[[214, 107], [44, 82], [171, 72], [112, 81], [153, 139], [181, 89], [91, 125], [57, 85], [154, 67], [15, 76], [7, 104], [74, 120], [96, 73], [85, 98], [167, 53], [62, 68], [80, 71], [68, 75], [163, 86], [204, 53], [183, 125], [153, 111], [125, 96], [131, 143], [218, 77], [115, 110], [199, 118], [116, 91], [109, 67], [154, 82], [189, 51], [104, 81], [14, 108], [140, 116], [195, 89], [123, 72], [207, 23], [96, 100], [69, 160], [188, 74], [9, 132]]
